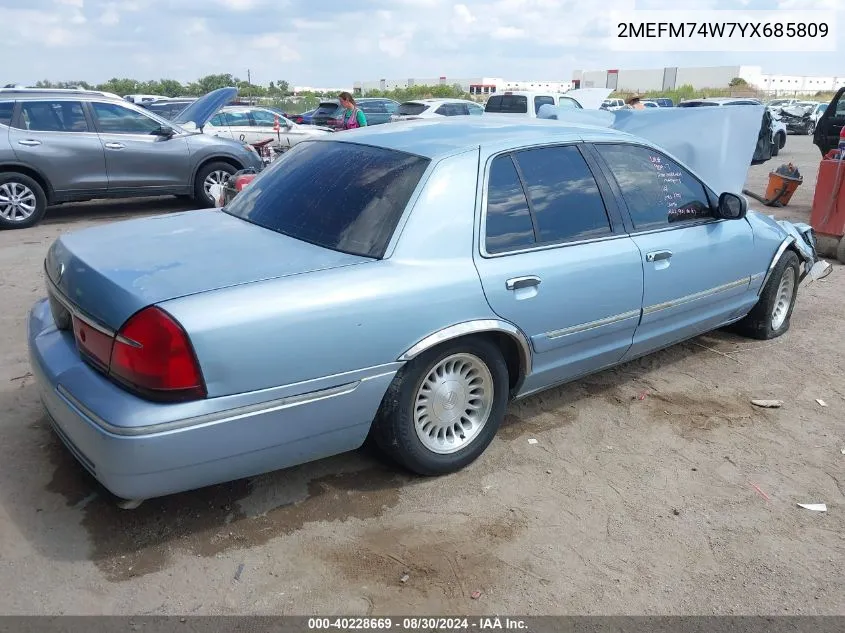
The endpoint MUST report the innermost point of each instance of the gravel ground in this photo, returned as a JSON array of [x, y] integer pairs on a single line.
[[684, 502]]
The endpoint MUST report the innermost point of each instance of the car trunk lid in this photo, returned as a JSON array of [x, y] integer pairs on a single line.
[[110, 272]]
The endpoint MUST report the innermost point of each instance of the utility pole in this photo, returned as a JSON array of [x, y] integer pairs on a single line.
[[249, 82]]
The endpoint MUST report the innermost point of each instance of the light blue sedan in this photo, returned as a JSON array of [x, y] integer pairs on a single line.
[[403, 281]]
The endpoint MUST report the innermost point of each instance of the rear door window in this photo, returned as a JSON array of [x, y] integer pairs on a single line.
[[507, 104], [412, 109], [541, 101], [564, 197], [508, 224], [53, 116], [6, 110], [338, 195]]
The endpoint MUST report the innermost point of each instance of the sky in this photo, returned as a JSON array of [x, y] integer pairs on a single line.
[[333, 43]]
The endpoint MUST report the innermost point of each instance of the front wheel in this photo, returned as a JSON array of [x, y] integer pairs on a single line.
[[444, 407], [771, 316], [212, 174]]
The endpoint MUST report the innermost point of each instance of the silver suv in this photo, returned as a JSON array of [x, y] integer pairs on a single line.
[[72, 145]]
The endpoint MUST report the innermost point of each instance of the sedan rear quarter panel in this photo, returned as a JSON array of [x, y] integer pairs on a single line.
[[346, 323]]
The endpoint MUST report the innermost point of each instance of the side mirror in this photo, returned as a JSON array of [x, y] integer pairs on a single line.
[[732, 206], [164, 131]]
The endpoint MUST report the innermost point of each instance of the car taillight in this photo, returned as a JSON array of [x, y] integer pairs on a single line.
[[153, 354], [93, 343], [243, 181]]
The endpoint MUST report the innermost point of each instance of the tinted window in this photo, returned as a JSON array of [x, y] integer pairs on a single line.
[[6, 109], [564, 196], [508, 225], [452, 109], [116, 119], [327, 109], [568, 102], [541, 101], [412, 109], [53, 116], [217, 120], [342, 196], [509, 104], [656, 189], [696, 104]]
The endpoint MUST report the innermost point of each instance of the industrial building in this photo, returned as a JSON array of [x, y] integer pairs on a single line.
[[700, 78], [476, 86]]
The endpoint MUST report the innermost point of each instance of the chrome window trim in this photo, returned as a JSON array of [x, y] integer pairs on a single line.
[[485, 175], [478, 326], [784, 245], [657, 307], [584, 327]]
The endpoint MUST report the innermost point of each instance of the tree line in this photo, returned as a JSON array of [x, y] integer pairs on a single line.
[[275, 90]]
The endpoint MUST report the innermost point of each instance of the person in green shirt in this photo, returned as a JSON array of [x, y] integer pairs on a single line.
[[352, 115]]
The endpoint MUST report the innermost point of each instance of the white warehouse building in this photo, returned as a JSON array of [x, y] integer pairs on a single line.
[[477, 85], [702, 77]]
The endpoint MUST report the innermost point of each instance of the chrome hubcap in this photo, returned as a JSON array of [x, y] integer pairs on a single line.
[[783, 298], [453, 403], [218, 177], [17, 202]]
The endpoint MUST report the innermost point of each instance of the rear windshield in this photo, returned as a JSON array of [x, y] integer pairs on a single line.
[[326, 109], [412, 109], [338, 195], [510, 104]]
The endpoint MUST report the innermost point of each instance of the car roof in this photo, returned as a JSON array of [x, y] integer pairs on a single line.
[[46, 93], [439, 100], [435, 138]]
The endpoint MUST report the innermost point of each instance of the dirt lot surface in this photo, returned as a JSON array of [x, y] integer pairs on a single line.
[[654, 488]]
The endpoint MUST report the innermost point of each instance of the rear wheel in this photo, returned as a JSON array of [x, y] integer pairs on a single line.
[[444, 407], [216, 173], [23, 202], [771, 316]]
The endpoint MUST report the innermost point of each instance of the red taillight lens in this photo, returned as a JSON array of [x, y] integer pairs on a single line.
[[93, 343], [152, 353], [243, 181]]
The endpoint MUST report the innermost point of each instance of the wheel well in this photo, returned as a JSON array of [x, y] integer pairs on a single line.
[[510, 350], [26, 171], [218, 159]]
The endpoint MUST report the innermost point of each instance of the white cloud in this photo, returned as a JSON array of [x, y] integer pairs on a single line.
[[239, 5], [110, 16], [507, 33]]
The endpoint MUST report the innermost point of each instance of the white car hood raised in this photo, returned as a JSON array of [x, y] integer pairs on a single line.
[[716, 143]]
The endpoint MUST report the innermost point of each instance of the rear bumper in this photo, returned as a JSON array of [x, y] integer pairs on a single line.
[[188, 447]]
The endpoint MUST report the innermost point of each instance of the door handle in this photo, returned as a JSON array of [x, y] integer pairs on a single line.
[[522, 282], [656, 256], [115, 145], [29, 143]]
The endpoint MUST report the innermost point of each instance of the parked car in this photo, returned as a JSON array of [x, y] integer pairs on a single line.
[[167, 108], [75, 145], [402, 282], [613, 104], [826, 135], [664, 102], [253, 124], [330, 113], [802, 116], [302, 119], [436, 108], [648, 103], [778, 126], [526, 102]]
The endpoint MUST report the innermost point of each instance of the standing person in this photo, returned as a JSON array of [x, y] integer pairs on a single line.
[[352, 115], [634, 103]]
